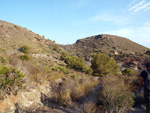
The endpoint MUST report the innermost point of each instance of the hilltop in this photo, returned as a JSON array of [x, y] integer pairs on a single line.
[[105, 43], [123, 50]]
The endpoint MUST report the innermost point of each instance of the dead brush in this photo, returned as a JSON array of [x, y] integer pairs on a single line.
[[82, 85], [79, 86], [133, 80], [72, 90], [116, 95]]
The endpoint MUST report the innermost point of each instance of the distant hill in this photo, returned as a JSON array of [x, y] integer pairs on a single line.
[[108, 44]]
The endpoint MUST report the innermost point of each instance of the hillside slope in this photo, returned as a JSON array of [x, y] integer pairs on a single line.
[[44, 83], [12, 37]]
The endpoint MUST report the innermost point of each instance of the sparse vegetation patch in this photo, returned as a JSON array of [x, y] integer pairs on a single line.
[[24, 57], [25, 49]]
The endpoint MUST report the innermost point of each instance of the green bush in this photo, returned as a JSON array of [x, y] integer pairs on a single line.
[[25, 49], [77, 64], [11, 81], [127, 71], [24, 57], [103, 65], [74, 62], [148, 52], [64, 55]]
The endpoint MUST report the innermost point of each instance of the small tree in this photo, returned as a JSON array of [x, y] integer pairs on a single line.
[[103, 65]]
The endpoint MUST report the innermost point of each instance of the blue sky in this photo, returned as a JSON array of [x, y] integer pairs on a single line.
[[65, 21]]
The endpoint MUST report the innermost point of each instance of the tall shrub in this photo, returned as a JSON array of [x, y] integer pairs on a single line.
[[103, 65]]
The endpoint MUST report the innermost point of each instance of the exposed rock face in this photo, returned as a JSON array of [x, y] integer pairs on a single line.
[[8, 105], [24, 99]]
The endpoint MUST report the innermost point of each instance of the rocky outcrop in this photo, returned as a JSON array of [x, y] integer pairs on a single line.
[[24, 99]]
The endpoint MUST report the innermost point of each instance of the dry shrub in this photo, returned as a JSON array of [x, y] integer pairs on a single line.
[[115, 95], [64, 97], [133, 80], [90, 107], [61, 97], [80, 86], [72, 90]]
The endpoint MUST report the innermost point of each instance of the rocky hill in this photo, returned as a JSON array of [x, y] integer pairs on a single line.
[[106, 44], [122, 49]]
